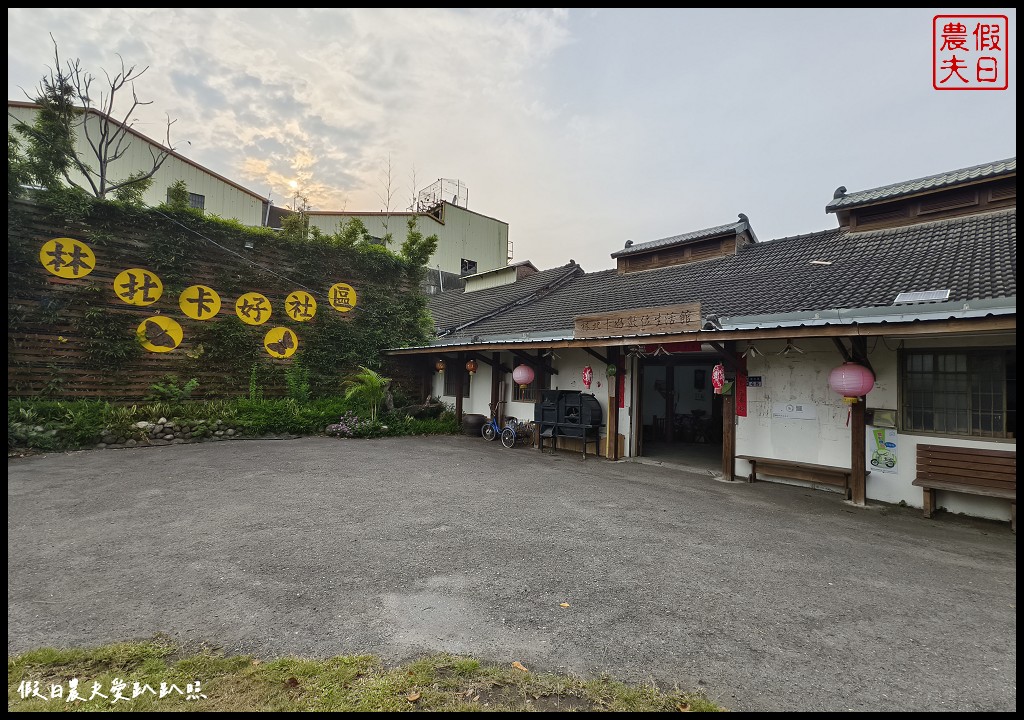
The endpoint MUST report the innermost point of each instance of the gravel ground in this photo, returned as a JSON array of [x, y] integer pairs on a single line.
[[769, 597]]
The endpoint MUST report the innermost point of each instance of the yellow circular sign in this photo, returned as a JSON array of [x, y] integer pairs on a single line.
[[67, 258], [253, 308], [199, 302], [138, 287], [160, 334], [300, 306], [280, 342], [342, 297]]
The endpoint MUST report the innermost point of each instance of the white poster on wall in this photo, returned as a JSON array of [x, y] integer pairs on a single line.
[[881, 450], [794, 411]]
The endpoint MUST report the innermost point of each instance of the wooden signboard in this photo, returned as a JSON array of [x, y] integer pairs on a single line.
[[640, 321]]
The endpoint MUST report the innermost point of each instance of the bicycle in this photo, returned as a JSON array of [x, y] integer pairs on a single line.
[[491, 429], [516, 432]]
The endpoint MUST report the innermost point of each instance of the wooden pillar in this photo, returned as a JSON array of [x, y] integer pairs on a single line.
[[729, 421], [612, 449], [460, 377], [495, 385], [670, 402], [858, 479]]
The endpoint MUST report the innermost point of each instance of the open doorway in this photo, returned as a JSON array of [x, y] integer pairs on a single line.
[[679, 415]]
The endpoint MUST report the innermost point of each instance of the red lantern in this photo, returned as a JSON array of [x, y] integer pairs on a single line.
[[588, 376], [471, 366], [439, 366], [523, 374], [851, 380], [718, 378]]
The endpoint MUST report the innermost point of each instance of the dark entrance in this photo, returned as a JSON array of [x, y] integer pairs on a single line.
[[679, 416]]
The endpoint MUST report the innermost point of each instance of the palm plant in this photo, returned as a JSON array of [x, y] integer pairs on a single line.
[[368, 385]]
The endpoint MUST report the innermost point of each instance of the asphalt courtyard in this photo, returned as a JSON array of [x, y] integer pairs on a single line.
[[768, 597]]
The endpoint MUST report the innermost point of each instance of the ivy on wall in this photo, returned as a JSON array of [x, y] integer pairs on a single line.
[[79, 331]]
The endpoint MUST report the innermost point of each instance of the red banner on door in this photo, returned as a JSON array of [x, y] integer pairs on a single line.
[[741, 394]]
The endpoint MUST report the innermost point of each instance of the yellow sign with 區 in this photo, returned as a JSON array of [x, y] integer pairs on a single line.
[[342, 297]]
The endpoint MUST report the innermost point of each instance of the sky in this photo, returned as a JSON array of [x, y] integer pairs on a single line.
[[581, 128]]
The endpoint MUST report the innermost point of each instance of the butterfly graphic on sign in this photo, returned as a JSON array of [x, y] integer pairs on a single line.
[[159, 334], [156, 335], [280, 342]]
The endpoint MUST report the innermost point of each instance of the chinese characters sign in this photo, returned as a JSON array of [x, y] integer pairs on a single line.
[[970, 52], [136, 286], [67, 258], [640, 321], [300, 306], [199, 302], [342, 297], [253, 308]]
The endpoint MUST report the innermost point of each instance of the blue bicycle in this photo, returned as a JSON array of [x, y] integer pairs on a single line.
[[492, 429]]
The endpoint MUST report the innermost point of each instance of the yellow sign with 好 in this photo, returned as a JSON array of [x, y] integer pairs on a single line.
[[253, 308]]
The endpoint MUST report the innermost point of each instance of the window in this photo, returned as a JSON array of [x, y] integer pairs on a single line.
[[960, 392], [196, 201], [468, 267], [449, 382], [531, 393]]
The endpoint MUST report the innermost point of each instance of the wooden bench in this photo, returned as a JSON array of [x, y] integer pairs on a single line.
[[824, 474], [992, 473]]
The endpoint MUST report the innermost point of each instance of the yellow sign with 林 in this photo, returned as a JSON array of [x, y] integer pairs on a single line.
[[253, 308], [280, 342], [136, 286], [67, 258], [199, 302], [342, 297], [300, 306], [159, 334]]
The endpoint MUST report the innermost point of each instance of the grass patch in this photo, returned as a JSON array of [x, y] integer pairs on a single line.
[[360, 683]]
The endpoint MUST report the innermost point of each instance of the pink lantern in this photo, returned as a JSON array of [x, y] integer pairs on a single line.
[[523, 374], [851, 380], [588, 376]]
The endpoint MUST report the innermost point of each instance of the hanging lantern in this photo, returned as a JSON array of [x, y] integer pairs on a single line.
[[471, 366], [439, 366], [523, 374], [718, 378], [588, 376], [851, 380]]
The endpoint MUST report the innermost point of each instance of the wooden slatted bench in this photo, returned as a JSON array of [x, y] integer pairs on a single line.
[[992, 473], [824, 474]]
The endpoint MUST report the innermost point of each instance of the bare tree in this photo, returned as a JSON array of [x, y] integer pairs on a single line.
[[70, 106], [387, 197]]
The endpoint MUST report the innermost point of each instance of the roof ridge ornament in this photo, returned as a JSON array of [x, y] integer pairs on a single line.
[[840, 192]]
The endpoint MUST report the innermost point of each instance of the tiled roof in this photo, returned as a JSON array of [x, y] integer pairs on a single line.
[[730, 229], [932, 182], [974, 257], [454, 308]]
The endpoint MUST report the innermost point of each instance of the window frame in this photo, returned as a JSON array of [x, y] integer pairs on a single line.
[[449, 376], [1007, 355]]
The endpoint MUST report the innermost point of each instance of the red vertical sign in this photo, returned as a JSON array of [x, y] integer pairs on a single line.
[[741, 394]]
